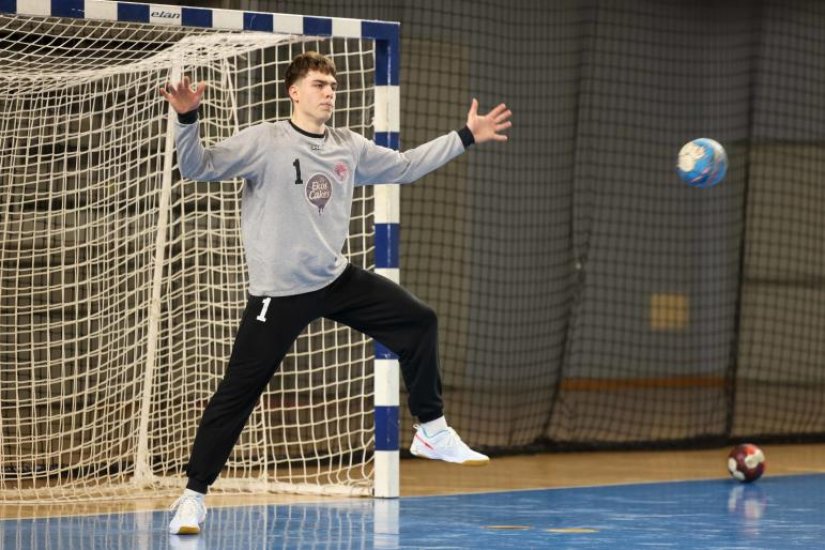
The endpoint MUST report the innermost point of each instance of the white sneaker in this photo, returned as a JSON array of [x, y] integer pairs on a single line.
[[447, 446], [191, 512]]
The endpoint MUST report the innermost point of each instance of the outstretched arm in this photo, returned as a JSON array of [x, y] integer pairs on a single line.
[[488, 127], [381, 165], [237, 156], [182, 97]]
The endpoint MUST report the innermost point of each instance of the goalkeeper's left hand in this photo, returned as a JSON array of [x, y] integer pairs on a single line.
[[488, 127]]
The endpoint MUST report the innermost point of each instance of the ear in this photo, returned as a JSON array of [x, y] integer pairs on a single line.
[[293, 92]]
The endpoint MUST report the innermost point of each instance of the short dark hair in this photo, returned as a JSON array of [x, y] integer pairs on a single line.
[[305, 62]]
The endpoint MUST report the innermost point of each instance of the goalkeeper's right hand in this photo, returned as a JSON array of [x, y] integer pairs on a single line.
[[182, 97]]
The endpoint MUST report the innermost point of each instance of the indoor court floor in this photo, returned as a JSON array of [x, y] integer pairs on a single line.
[[664, 499]]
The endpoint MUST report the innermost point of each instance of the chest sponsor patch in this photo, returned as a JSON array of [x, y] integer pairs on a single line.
[[318, 191]]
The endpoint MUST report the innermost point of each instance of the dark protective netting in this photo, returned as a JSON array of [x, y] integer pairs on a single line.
[[587, 298]]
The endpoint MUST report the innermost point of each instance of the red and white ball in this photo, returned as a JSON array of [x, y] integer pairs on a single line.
[[746, 462]]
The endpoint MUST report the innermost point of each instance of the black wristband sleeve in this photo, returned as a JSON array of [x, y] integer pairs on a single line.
[[466, 137], [188, 118]]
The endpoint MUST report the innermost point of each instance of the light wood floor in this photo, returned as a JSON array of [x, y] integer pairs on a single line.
[[596, 468], [424, 477]]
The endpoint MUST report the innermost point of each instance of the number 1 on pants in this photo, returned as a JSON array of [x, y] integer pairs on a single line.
[[262, 316]]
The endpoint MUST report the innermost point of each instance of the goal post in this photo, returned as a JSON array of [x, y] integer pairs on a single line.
[[122, 283]]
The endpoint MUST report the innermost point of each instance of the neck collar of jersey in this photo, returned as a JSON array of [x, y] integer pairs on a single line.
[[304, 132]]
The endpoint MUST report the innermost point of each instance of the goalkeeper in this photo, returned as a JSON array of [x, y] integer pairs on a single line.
[[296, 205]]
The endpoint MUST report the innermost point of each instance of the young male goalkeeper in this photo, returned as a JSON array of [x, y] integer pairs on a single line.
[[296, 205]]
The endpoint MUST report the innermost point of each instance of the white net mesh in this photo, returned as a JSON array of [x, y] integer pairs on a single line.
[[97, 393]]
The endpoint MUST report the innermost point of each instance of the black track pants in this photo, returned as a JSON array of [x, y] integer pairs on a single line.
[[362, 300]]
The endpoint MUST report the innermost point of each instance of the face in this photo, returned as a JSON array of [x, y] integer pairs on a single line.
[[314, 96]]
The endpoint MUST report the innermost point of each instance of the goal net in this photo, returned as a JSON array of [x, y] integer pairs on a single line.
[[122, 284]]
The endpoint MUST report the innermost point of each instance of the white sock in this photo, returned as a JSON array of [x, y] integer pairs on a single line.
[[434, 426], [191, 493]]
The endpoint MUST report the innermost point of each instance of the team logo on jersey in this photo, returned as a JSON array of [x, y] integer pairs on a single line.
[[318, 191], [341, 170]]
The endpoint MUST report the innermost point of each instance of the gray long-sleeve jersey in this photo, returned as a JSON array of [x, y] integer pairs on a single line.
[[298, 194]]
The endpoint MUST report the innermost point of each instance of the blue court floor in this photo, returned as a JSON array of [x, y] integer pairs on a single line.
[[774, 513]]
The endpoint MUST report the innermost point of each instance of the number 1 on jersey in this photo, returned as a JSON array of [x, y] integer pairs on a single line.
[[297, 165]]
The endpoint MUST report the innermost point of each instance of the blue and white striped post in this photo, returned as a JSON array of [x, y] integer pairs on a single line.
[[387, 125], [387, 216]]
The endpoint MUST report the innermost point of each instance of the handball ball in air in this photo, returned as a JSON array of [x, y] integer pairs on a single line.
[[702, 163], [746, 462]]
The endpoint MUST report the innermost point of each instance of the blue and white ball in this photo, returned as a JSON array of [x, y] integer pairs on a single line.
[[703, 163]]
